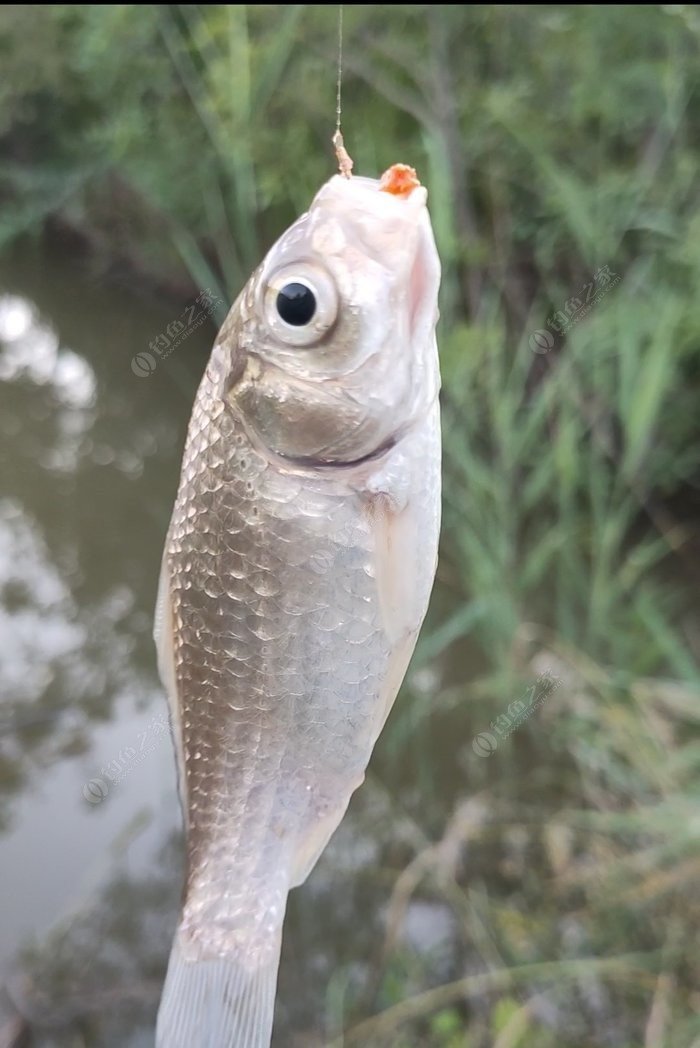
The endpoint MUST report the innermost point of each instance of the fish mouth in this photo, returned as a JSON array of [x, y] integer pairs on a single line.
[[411, 239], [365, 196]]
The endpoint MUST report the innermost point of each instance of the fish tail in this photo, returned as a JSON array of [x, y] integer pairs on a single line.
[[217, 1002]]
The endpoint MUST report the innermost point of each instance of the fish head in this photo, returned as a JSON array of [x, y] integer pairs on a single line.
[[332, 342]]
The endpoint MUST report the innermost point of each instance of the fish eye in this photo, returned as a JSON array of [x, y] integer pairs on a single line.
[[296, 304], [300, 303]]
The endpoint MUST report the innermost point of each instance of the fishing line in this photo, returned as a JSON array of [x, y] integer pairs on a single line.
[[344, 159], [338, 98]]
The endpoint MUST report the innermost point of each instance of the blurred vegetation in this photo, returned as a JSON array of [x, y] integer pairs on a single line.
[[561, 148]]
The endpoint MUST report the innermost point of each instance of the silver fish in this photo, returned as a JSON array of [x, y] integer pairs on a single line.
[[295, 578]]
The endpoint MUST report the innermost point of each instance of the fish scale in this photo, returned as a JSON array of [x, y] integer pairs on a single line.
[[287, 700]]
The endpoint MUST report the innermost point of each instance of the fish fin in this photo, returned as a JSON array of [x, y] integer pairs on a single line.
[[401, 591], [217, 1003], [163, 634], [397, 550], [405, 550], [311, 844]]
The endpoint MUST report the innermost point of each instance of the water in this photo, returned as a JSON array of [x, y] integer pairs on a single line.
[[90, 845]]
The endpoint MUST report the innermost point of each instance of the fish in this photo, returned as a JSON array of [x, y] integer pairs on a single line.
[[296, 574]]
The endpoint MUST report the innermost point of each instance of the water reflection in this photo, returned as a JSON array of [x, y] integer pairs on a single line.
[[88, 465]]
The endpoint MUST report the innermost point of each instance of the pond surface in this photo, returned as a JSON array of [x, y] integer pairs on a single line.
[[90, 843]]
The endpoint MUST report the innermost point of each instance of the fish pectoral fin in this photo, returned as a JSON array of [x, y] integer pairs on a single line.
[[396, 568], [403, 584], [163, 635], [313, 842]]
